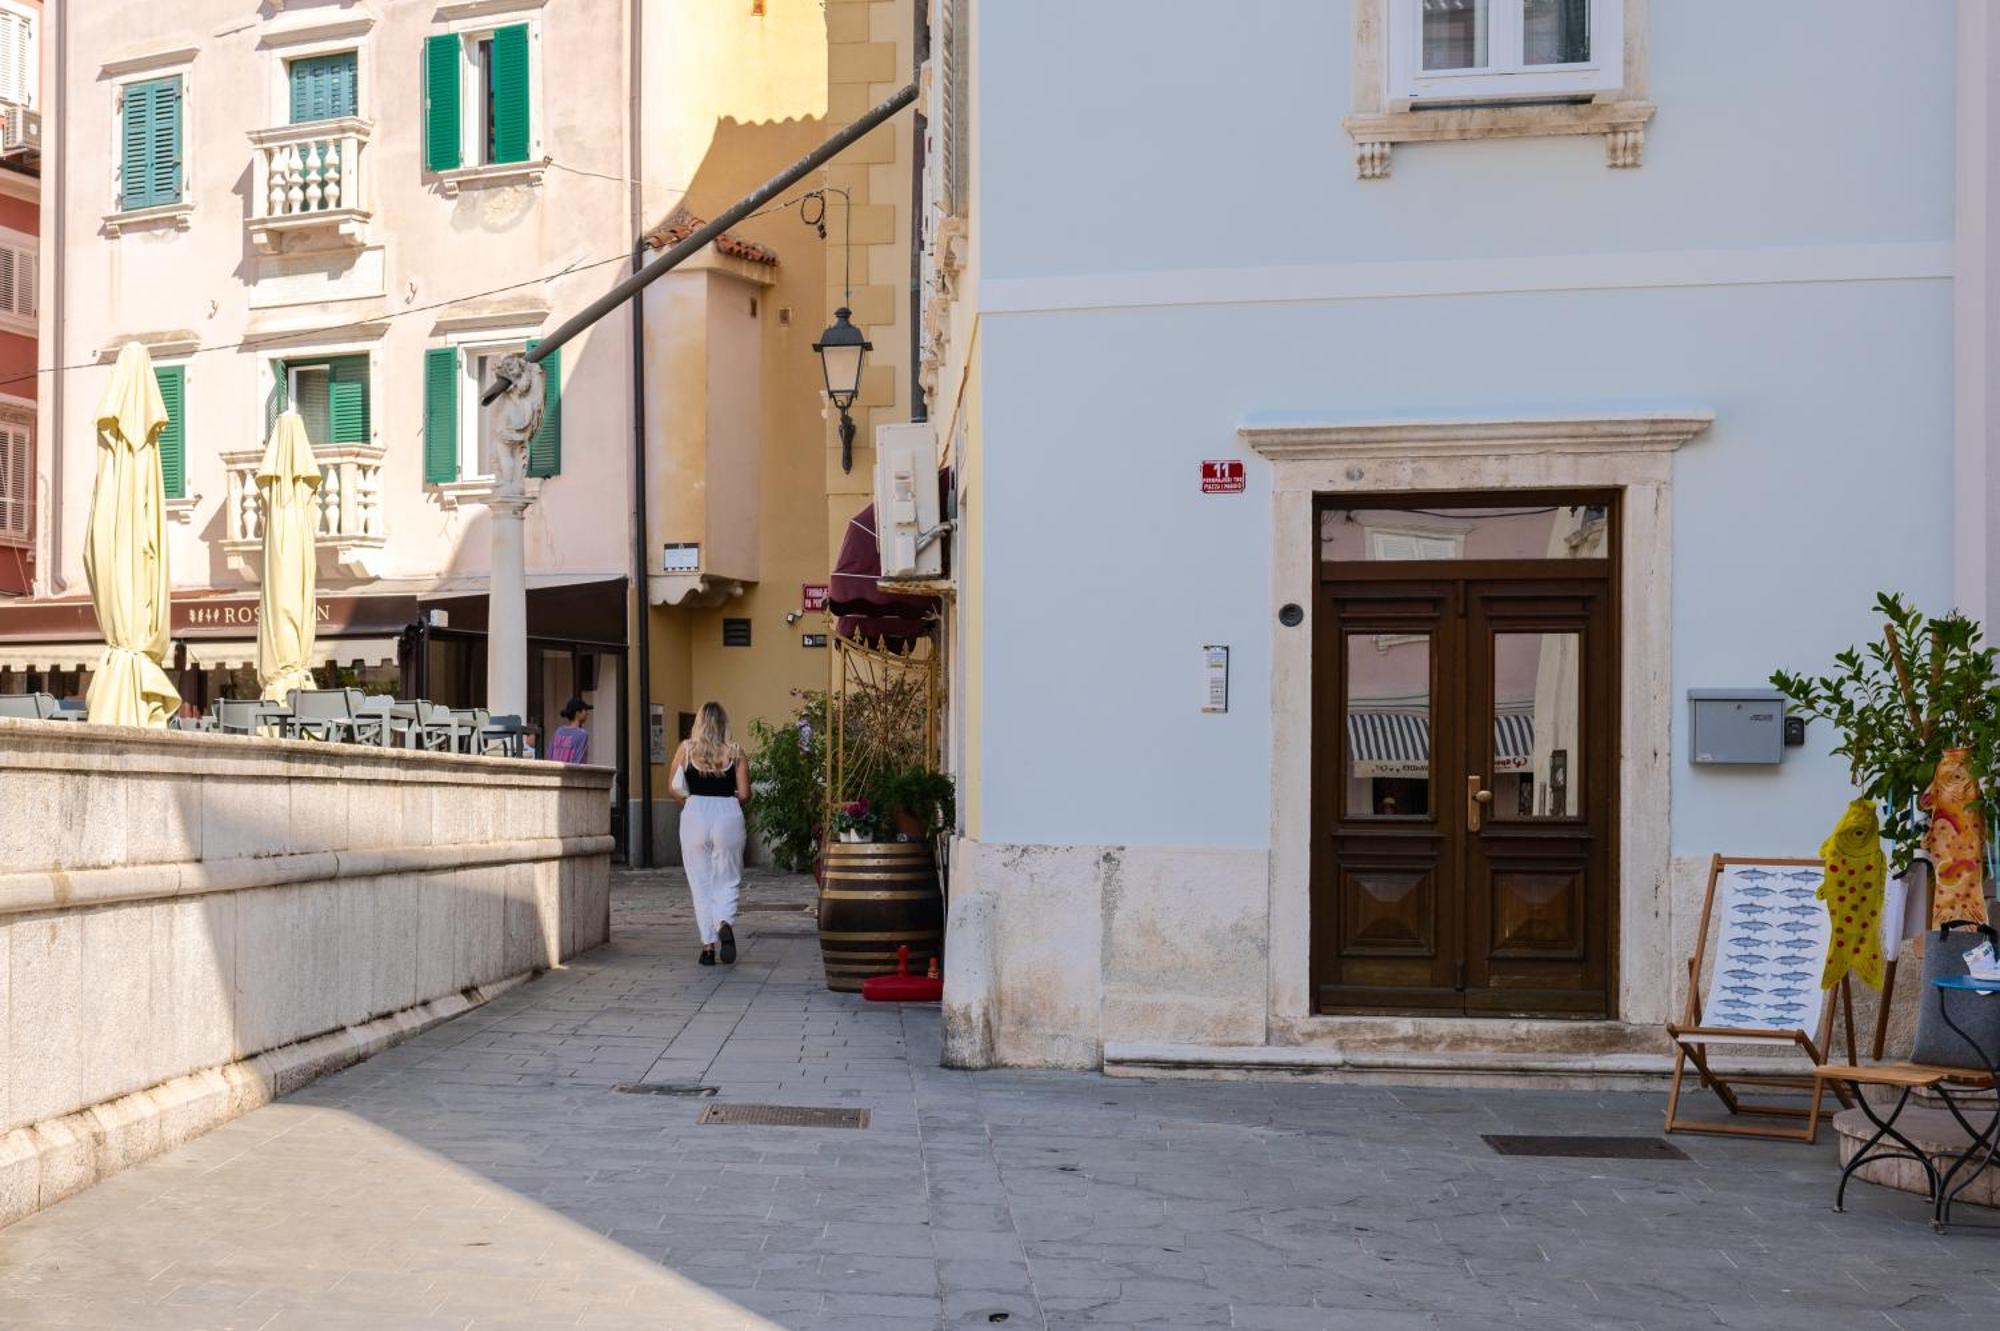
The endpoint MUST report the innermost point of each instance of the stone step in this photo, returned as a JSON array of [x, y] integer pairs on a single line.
[[1935, 1132]]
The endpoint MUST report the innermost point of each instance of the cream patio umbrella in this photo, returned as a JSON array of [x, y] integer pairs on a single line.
[[125, 553], [288, 478]]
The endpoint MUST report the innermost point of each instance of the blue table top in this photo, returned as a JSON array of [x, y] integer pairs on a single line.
[[1977, 986]]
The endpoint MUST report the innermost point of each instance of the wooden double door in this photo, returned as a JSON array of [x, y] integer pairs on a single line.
[[1465, 799]]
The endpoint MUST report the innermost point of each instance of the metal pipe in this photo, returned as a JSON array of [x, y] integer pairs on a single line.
[[48, 447], [642, 569], [694, 244]]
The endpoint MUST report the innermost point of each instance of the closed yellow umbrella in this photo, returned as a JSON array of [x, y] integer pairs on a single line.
[[288, 478], [125, 555]]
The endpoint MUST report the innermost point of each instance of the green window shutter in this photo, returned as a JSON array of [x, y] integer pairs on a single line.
[[323, 87], [545, 449], [441, 123], [440, 415], [275, 403], [347, 399], [510, 94], [150, 144], [173, 436]]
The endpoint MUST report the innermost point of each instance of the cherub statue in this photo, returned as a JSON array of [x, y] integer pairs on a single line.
[[519, 410]]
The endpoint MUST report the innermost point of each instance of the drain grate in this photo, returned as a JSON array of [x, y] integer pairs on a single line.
[[662, 1088], [782, 1116], [1587, 1148]]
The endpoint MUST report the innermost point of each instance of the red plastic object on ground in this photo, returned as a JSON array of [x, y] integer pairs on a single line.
[[903, 987]]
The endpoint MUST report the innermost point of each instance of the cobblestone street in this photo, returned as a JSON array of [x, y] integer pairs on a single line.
[[488, 1175]]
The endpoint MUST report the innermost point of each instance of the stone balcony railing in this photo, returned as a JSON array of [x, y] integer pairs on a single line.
[[351, 530], [308, 187]]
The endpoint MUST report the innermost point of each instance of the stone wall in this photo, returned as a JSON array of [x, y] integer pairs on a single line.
[[191, 924]]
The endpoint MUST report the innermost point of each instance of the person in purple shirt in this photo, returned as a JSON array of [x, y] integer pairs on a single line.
[[571, 742]]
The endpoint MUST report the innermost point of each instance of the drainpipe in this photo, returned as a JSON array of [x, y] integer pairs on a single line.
[[920, 47], [642, 568], [50, 445]]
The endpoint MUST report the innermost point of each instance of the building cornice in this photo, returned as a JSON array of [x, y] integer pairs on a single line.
[[139, 64], [1290, 440]]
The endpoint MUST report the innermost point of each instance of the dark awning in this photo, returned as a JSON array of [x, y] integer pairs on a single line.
[[855, 594]]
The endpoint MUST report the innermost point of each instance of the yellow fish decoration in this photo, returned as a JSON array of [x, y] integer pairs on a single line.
[[1856, 873], [1956, 841]]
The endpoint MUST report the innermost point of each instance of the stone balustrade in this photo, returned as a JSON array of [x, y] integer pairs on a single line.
[[351, 533], [192, 924], [309, 185]]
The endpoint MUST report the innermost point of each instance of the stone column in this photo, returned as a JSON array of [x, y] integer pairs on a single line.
[[507, 608]]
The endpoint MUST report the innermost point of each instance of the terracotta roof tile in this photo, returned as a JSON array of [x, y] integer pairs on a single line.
[[684, 224]]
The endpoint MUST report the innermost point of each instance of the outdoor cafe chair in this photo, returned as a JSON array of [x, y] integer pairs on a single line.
[[249, 716], [472, 723], [1770, 935], [505, 733], [29, 706], [377, 720], [432, 726], [332, 714]]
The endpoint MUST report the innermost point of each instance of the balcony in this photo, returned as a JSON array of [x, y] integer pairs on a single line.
[[307, 191], [351, 536]]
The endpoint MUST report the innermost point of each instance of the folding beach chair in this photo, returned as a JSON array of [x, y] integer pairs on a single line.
[[1770, 938]]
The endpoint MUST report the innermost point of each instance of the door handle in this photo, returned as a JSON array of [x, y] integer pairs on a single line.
[[1476, 801]]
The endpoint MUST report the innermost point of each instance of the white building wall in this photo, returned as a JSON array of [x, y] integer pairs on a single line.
[[1194, 261]]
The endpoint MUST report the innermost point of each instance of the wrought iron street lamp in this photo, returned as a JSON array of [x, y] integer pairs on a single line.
[[841, 350]]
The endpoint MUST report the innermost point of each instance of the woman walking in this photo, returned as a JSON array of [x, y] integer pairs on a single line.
[[712, 782]]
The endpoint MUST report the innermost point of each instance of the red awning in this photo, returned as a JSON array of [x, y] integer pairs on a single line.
[[854, 592]]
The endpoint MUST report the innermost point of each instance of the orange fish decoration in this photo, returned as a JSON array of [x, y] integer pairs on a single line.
[[1956, 841], [1856, 873]]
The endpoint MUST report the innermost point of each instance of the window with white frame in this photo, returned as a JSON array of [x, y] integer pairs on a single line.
[[18, 257], [478, 445], [1471, 49], [481, 97], [17, 456], [1400, 543], [20, 61]]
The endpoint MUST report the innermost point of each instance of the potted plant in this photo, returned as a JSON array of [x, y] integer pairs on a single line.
[[855, 820], [788, 773], [1897, 705], [920, 801]]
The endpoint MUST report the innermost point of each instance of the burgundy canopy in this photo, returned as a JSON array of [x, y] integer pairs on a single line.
[[854, 593]]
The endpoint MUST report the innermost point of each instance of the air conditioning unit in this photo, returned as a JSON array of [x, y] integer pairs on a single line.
[[21, 131], [907, 526]]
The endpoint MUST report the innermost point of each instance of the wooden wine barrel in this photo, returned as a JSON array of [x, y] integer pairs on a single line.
[[873, 897]]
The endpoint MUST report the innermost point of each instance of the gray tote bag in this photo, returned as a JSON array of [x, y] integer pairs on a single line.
[[1978, 1015]]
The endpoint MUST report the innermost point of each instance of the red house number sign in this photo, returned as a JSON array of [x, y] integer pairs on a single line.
[[1222, 476], [812, 597]]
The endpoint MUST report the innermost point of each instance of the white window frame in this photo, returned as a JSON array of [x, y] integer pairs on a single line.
[[1506, 75], [17, 416], [472, 92], [27, 272], [294, 357], [1376, 540], [281, 75], [122, 76], [470, 414], [32, 93]]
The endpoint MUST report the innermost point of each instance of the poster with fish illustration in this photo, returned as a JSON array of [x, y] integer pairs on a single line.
[[1770, 948]]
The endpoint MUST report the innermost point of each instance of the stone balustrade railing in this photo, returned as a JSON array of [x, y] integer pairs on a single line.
[[351, 531], [309, 184]]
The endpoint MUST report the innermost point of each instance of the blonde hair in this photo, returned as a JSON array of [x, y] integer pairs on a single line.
[[709, 749]]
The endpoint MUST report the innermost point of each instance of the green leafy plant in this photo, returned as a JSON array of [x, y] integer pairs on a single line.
[[925, 796], [1898, 704], [788, 775]]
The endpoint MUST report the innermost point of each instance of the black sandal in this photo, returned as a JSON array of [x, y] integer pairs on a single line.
[[728, 937], [708, 956]]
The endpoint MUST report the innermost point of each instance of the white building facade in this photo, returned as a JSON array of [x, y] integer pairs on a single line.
[[1484, 376]]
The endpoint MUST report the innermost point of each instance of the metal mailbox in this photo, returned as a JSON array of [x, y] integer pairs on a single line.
[[1736, 725]]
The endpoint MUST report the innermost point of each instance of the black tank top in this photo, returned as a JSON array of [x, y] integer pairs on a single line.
[[703, 783]]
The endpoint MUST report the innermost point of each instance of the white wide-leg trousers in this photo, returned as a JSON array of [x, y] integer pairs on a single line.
[[712, 855]]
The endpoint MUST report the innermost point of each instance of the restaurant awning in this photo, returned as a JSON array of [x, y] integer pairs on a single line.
[[241, 654], [1396, 742], [854, 592]]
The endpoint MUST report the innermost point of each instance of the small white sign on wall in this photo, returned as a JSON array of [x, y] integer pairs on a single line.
[[1214, 679]]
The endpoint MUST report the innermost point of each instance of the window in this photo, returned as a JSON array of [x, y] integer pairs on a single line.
[[1389, 543], [322, 87], [150, 144], [19, 58], [17, 281], [330, 394], [172, 380], [478, 89], [1449, 49], [459, 444], [17, 452]]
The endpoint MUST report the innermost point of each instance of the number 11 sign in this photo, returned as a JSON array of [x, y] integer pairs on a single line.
[[1222, 476]]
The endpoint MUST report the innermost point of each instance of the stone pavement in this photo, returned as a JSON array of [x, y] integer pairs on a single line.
[[486, 1175]]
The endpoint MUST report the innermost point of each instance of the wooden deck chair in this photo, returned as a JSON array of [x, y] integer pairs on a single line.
[[1770, 938]]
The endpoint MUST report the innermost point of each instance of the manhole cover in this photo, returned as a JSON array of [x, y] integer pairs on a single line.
[[1587, 1148], [782, 1116], [662, 1088]]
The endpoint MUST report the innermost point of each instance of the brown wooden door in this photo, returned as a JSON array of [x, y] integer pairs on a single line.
[[1464, 793]]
